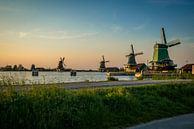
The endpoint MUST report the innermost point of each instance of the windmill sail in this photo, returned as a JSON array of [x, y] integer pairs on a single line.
[[132, 50], [163, 36], [140, 53], [173, 43]]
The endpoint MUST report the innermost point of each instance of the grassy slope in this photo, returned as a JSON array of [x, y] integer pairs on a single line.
[[54, 108]]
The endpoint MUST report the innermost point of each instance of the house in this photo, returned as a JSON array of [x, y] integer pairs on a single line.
[[188, 68], [112, 69]]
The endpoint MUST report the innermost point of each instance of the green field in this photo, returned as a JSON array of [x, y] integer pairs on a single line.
[[56, 108]]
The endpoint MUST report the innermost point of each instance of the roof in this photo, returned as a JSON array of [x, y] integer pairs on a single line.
[[187, 67]]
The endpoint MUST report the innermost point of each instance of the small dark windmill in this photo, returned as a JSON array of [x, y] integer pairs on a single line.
[[131, 65], [161, 59], [131, 57], [103, 65], [61, 64]]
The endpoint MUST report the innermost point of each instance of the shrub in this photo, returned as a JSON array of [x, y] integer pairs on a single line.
[[110, 78]]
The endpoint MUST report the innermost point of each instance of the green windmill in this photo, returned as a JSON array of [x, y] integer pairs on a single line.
[[161, 59]]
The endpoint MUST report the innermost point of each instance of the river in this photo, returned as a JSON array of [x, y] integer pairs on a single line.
[[54, 77]]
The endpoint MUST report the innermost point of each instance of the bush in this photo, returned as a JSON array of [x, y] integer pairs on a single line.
[[110, 78]]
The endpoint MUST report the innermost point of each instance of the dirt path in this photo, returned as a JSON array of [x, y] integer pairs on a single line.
[[119, 83]]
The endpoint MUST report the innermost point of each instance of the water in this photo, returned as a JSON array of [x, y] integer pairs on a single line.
[[56, 77]]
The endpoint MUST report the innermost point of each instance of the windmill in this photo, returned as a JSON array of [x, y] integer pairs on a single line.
[[61, 64], [131, 57], [103, 64], [131, 64], [161, 59]]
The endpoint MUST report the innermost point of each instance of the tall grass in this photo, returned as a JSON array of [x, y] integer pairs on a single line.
[[55, 108], [9, 80]]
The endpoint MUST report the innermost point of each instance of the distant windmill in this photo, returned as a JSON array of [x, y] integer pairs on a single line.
[[103, 64], [161, 59], [61, 64], [131, 57]]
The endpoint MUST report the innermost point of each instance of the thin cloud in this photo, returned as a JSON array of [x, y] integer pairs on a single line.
[[7, 9], [22, 34], [139, 27], [116, 28], [67, 36], [142, 25], [47, 35]]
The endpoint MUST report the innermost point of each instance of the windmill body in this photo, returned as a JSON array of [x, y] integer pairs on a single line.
[[161, 59]]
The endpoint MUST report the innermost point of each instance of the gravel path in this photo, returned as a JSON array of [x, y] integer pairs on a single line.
[[178, 122], [119, 83], [106, 84]]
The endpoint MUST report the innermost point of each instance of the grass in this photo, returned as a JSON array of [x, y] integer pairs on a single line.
[[182, 76], [106, 108]]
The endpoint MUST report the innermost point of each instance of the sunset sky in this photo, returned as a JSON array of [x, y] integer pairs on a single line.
[[41, 31]]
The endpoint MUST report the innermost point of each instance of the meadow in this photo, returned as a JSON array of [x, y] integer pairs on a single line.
[[104, 108]]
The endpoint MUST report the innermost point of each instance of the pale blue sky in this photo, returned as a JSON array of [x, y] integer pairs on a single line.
[[40, 31]]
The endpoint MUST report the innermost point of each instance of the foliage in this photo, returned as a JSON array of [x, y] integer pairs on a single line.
[[111, 78], [181, 76], [56, 108]]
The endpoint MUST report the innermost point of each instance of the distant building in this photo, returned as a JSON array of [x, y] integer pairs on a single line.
[[141, 67], [138, 68], [130, 69], [188, 68], [7, 68], [33, 67], [112, 69], [20, 67], [40, 69]]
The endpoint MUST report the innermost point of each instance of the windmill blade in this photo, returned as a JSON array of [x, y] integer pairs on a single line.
[[163, 36], [140, 53], [173, 43], [129, 55], [103, 58], [132, 50]]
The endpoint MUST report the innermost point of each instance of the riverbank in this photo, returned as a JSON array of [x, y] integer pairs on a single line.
[[56, 108]]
